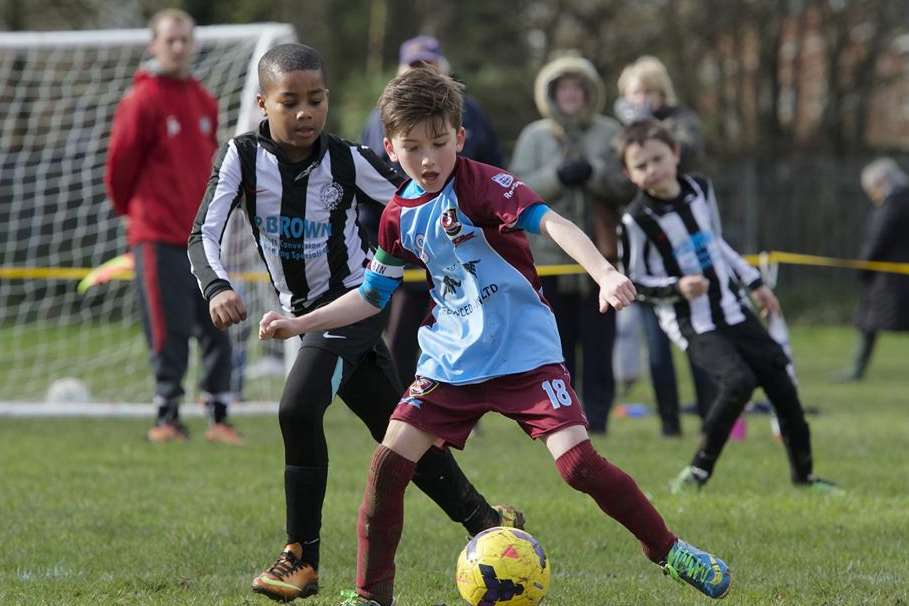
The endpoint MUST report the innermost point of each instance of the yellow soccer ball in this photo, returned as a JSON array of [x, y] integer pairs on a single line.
[[503, 566]]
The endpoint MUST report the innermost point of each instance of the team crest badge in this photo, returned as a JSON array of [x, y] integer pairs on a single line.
[[331, 195], [450, 223], [422, 386]]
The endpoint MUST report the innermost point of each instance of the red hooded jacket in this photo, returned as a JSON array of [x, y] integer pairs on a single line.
[[163, 139]]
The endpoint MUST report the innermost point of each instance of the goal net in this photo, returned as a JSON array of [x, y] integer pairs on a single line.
[[59, 93]]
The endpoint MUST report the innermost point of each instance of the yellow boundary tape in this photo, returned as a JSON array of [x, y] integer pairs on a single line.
[[418, 275], [788, 258]]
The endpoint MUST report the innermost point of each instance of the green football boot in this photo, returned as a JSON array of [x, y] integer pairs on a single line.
[[703, 571], [352, 598], [689, 481], [822, 487]]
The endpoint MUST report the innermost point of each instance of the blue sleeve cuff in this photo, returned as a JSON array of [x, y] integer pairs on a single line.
[[531, 216], [377, 289]]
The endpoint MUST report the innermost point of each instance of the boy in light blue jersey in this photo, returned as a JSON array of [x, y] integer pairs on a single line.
[[490, 342]]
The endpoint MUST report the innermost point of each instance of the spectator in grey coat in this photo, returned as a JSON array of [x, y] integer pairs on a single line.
[[884, 304], [567, 158]]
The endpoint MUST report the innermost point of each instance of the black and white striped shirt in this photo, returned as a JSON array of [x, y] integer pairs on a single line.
[[304, 216], [664, 240]]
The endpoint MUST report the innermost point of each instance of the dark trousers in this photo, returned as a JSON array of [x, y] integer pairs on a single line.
[[407, 310], [662, 373], [368, 385], [739, 358], [173, 310], [359, 369], [582, 326]]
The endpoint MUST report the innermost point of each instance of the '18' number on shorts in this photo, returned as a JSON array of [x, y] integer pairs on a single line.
[[557, 392]]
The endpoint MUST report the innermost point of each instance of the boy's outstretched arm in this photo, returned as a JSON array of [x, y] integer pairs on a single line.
[[615, 289], [383, 276], [343, 311]]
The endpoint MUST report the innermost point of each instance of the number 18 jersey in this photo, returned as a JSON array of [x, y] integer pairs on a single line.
[[488, 317]]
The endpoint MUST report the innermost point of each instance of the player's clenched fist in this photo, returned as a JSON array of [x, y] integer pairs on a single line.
[[616, 290], [226, 308], [766, 300], [276, 326], [693, 287]]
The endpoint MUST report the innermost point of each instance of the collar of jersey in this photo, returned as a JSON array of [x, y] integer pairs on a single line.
[[412, 190], [411, 194], [662, 206], [265, 140]]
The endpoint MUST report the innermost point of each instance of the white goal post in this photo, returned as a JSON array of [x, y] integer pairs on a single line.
[[57, 99]]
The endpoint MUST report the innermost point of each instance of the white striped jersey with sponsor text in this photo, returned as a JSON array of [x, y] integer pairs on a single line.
[[305, 217]]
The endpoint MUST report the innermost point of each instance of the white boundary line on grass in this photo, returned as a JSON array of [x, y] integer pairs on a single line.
[[121, 409]]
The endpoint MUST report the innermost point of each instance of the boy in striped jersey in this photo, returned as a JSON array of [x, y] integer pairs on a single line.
[[673, 250], [300, 189], [490, 342]]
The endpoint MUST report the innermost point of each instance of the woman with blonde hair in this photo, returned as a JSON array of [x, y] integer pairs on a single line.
[[646, 91]]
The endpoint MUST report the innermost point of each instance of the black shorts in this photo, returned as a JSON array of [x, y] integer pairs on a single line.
[[350, 342]]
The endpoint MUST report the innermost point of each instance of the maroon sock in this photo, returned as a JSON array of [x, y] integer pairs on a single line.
[[380, 523], [618, 496]]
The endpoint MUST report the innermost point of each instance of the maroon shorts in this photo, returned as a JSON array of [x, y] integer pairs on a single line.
[[540, 400]]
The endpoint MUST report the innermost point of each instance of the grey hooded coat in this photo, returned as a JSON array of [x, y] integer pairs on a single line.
[[544, 144]]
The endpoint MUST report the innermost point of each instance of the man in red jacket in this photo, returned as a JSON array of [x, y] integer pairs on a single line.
[[162, 142]]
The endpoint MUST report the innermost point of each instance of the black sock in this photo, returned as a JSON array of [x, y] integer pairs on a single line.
[[304, 493], [168, 412], [311, 553], [217, 411], [481, 518], [438, 475], [704, 462]]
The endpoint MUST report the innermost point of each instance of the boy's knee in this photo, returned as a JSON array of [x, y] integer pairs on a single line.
[[576, 474], [299, 413], [583, 469]]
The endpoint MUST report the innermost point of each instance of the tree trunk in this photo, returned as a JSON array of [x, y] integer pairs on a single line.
[[378, 17]]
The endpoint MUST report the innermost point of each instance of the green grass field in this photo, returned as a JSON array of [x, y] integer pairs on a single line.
[[91, 514]]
